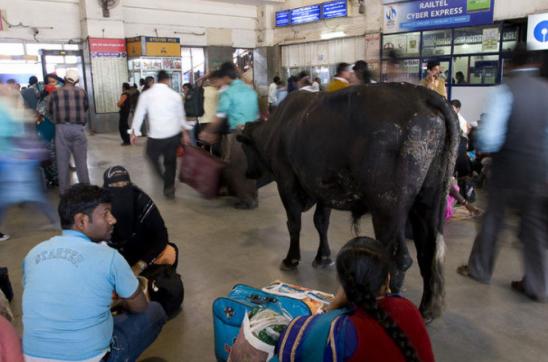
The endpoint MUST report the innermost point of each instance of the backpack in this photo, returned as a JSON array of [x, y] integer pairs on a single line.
[[194, 102], [165, 287]]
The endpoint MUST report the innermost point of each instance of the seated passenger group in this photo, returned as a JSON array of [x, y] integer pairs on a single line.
[[72, 281]]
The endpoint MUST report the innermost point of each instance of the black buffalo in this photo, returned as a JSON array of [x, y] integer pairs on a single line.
[[388, 149]]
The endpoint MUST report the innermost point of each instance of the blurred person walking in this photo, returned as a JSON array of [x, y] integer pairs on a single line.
[[238, 104], [31, 94], [166, 117], [69, 106], [514, 130], [433, 79], [341, 79], [20, 154], [273, 94], [124, 105]]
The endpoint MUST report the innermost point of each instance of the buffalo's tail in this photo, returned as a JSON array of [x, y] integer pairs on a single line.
[[449, 157]]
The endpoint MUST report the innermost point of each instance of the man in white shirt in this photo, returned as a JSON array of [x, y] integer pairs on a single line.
[[273, 93], [166, 118], [465, 126]]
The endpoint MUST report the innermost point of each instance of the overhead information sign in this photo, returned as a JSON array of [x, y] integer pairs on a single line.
[[436, 14], [283, 18], [312, 13], [307, 14], [334, 9]]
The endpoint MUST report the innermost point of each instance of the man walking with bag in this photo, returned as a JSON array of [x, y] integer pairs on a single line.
[[166, 118], [69, 106]]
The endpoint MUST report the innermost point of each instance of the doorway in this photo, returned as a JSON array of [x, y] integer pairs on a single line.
[[59, 61]]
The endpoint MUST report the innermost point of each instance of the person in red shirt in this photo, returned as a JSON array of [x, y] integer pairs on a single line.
[[365, 322], [10, 343]]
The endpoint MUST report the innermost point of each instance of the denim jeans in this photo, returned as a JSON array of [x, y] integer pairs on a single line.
[[133, 333]]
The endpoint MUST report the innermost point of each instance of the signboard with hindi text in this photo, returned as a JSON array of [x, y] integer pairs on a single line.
[[162, 47]]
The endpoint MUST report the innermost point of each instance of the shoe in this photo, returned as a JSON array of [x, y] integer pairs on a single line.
[[125, 144], [243, 205], [519, 286], [4, 237]]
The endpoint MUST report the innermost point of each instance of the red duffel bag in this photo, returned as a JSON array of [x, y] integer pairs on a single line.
[[201, 171]]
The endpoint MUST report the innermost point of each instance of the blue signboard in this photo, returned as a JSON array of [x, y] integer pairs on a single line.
[[436, 14], [307, 14], [312, 13], [334, 9], [283, 18]]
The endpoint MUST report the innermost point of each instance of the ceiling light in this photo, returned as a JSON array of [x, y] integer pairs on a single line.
[[335, 34]]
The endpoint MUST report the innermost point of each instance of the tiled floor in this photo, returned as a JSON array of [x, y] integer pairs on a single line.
[[221, 247]]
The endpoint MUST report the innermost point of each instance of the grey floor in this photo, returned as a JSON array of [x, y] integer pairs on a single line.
[[222, 246]]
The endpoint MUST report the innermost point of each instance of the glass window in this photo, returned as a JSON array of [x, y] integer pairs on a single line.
[[407, 71], [12, 49], [34, 49], [198, 63], [71, 47], [478, 69], [192, 64], [477, 40], [407, 45], [436, 42], [509, 38]]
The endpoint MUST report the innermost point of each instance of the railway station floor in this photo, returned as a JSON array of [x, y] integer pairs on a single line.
[[221, 246]]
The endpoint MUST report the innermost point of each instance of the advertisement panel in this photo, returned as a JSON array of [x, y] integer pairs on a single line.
[[537, 32], [436, 14]]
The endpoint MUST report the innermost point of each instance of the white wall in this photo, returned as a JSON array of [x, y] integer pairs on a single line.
[[62, 15], [511, 9], [354, 25], [473, 100], [193, 18], [187, 19]]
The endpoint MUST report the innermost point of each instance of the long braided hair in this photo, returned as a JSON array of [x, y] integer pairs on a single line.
[[362, 267]]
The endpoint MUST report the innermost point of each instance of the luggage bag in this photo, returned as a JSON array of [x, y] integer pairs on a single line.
[[201, 171], [229, 312]]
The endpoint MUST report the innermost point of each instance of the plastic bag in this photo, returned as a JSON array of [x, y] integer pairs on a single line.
[[258, 336]]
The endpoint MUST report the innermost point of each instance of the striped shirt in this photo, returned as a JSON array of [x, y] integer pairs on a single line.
[[69, 104]]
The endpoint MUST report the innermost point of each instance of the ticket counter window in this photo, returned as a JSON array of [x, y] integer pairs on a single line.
[[436, 43], [477, 40], [407, 45], [475, 70]]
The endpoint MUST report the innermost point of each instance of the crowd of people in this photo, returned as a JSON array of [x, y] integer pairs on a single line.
[[87, 295]]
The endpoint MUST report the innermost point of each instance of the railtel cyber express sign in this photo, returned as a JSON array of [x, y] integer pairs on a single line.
[[436, 14]]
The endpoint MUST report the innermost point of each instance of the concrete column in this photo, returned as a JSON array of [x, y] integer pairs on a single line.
[[217, 55], [93, 24]]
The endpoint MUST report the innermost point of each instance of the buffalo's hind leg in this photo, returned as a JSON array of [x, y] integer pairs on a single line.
[[430, 254], [321, 221], [293, 209], [389, 230]]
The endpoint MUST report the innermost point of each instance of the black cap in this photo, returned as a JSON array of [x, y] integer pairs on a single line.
[[115, 174]]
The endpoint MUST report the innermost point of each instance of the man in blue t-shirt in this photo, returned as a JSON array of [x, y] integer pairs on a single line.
[[238, 105], [69, 284]]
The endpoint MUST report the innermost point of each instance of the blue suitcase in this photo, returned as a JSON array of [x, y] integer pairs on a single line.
[[229, 312]]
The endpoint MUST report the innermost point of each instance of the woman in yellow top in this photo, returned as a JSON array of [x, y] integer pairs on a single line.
[[433, 80], [341, 79]]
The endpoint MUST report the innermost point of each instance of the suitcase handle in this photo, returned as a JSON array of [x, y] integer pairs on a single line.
[[261, 300]]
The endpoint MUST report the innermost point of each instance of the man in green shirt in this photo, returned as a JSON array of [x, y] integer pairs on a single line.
[[238, 104]]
